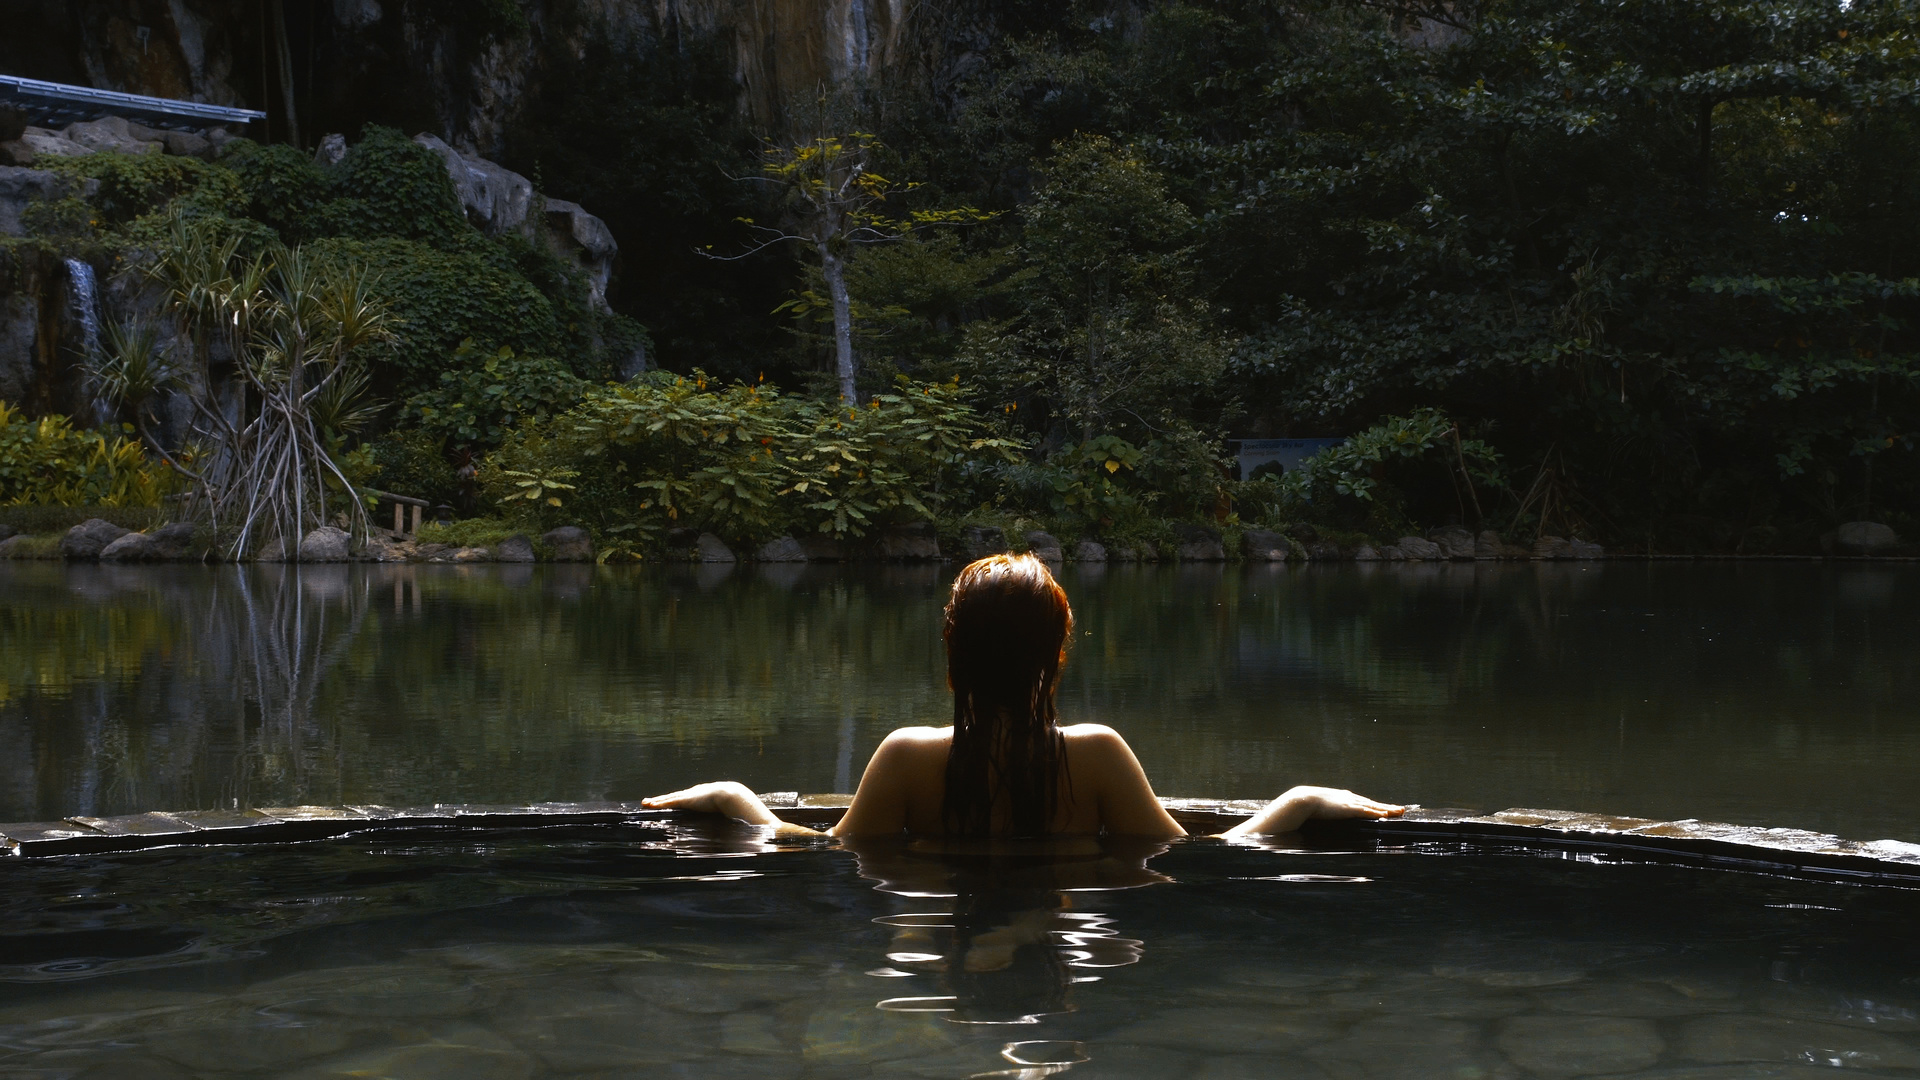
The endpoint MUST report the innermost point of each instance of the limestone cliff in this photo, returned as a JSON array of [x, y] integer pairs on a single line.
[[462, 69]]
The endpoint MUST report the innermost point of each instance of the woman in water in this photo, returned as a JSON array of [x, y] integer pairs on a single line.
[[1006, 767]]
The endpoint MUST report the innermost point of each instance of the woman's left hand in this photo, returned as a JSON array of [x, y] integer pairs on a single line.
[[729, 797]]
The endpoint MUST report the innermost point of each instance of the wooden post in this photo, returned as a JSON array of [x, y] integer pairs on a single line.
[[416, 519], [399, 520]]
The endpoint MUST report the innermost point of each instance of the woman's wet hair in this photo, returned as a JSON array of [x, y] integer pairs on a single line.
[[1007, 625]]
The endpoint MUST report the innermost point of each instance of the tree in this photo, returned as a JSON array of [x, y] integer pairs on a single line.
[[835, 197], [1109, 326]]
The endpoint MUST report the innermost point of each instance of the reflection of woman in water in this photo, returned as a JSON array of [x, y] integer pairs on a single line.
[[1005, 767]]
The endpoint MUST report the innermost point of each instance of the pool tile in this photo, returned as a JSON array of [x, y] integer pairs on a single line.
[[1579, 1045]]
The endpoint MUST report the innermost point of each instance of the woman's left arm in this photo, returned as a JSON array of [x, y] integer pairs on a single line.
[[729, 797], [1299, 805]]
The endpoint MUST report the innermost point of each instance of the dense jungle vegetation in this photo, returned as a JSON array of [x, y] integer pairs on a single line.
[[1642, 271]]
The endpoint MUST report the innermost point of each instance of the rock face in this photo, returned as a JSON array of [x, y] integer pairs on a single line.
[[1553, 547], [710, 548], [168, 543], [1090, 551], [824, 548], [1583, 550], [381, 549], [499, 201], [85, 541], [1044, 546], [1262, 545], [782, 549], [1864, 538], [980, 541], [1413, 547], [515, 548], [568, 543], [1197, 543], [324, 544], [916, 541], [1454, 542], [20, 187]]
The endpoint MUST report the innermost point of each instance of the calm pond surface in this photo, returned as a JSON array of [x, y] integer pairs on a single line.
[[1779, 694]]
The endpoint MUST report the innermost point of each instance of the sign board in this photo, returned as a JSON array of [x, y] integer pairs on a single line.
[[1275, 457]]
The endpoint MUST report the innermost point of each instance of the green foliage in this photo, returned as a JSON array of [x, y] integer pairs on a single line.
[[745, 461], [412, 462], [41, 519], [441, 298], [471, 532], [136, 185], [284, 189], [1357, 468], [394, 187], [47, 461], [1109, 327], [479, 398]]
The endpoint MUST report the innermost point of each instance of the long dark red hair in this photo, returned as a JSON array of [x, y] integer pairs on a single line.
[[1006, 631]]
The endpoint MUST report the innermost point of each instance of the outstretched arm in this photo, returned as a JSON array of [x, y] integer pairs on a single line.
[[1298, 805], [729, 797]]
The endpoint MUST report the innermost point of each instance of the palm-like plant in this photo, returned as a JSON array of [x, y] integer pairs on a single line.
[[290, 323]]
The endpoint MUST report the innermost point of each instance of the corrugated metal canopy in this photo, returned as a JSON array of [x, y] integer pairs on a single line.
[[50, 104]]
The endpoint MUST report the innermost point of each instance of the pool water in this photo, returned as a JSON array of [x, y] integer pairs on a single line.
[[1776, 694], [688, 949]]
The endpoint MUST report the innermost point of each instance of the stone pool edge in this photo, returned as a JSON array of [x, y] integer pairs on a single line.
[[1791, 851]]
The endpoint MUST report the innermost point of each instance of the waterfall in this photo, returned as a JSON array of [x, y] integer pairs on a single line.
[[86, 309]]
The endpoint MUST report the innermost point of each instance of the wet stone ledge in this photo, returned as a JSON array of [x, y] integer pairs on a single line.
[[1772, 850]]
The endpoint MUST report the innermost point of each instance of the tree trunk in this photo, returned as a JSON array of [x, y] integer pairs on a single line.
[[284, 55], [836, 275]]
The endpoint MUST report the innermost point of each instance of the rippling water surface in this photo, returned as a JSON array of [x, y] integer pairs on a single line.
[[676, 950], [1780, 694]]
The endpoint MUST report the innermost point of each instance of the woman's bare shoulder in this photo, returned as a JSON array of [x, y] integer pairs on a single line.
[[1091, 733], [921, 734]]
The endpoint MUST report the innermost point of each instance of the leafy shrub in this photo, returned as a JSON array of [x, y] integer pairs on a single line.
[[1355, 470], [135, 185], [474, 405], [413, 462], [282, 188], [48, 461], [744, 461], [397, 188], [44, 520], [441, 298], [472, 532]]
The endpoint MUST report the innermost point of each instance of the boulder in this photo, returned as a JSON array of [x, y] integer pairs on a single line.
[[1454, 542], [515, 548], [38, 141], [1865, 538], [170, 542], [496, 199], [710, 548], [917, 541], [1324, 550], [980, 541], [1390, 553], [429, 552], [1197, 543], [20, 188], [187, 144], [1366, 553], [1090, 551], [85, 541], [112, 133], [568, 543], [331, 151], [781, 549], [585, 240], [1552, 547], [384, 549], [1413, 547], [467, 555], [1122, 553], [1584, 550], [8, 532], [324, 544], [13, 547], [1263, 545], [1043, 546]]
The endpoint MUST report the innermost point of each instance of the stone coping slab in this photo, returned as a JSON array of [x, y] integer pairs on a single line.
[[1791, 851]]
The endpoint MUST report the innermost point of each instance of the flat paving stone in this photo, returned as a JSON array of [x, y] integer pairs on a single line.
[[149, 824], [1727, 1039], [1580, 1045]]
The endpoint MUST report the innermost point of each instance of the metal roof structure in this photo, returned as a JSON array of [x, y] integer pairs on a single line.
[[51, 104]]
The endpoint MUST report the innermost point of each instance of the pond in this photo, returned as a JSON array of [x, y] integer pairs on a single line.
[[1778, 694]]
